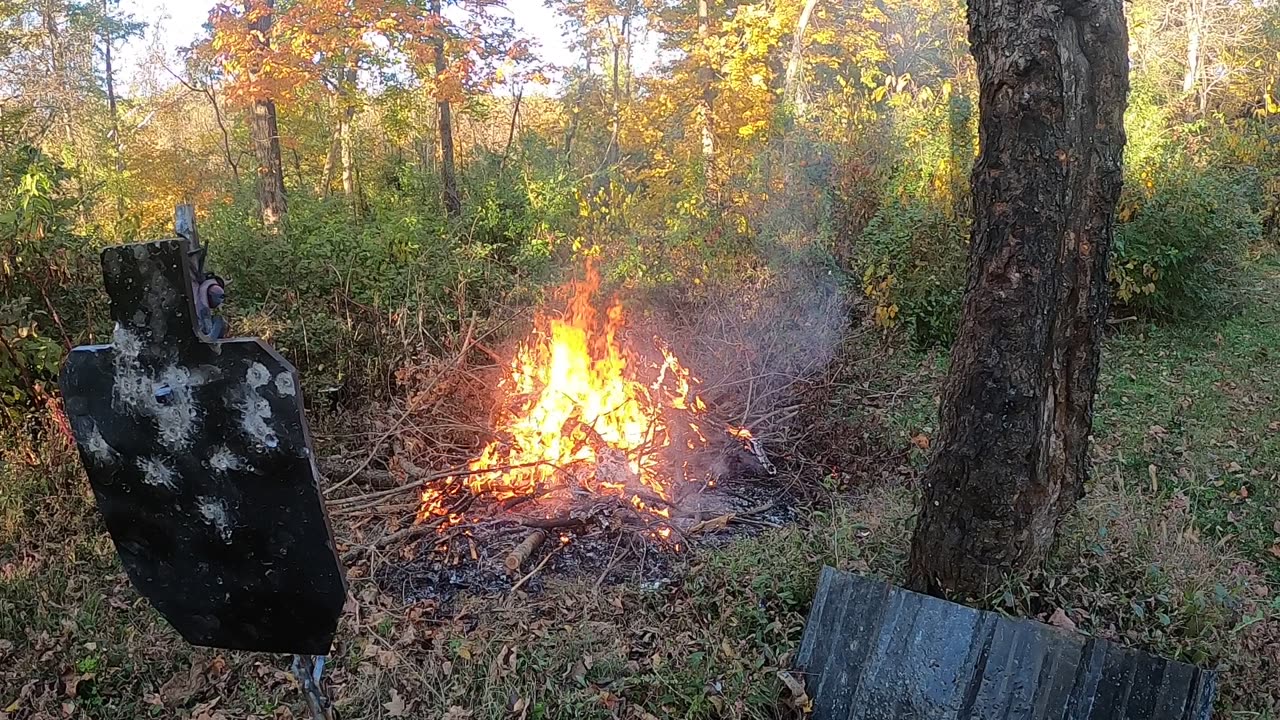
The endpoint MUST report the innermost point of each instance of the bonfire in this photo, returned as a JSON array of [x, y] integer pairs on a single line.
[[583, 419]]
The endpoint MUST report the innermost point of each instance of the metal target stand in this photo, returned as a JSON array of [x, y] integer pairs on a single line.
[[202, 465]]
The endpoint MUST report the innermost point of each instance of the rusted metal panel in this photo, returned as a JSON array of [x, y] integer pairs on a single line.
[[872, 651]]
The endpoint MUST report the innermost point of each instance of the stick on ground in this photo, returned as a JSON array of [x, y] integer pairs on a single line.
[[521, 553]]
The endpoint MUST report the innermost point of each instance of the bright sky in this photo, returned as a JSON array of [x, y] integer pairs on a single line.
[[180, 23]]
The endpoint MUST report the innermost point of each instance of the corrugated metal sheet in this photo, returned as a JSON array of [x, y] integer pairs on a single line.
[[872, 651]]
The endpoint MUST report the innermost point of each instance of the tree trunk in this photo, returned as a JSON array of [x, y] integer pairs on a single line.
[[515, 120], [117, 143], [614, 152], [266, 137], [448, 174], [1011, 454], [794, 63], [346, 134], [579, 104], [226, 134], [1194, 23], [706, 80], [331, 161]]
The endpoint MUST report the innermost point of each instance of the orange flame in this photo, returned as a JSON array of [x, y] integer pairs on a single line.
[[577, 414]]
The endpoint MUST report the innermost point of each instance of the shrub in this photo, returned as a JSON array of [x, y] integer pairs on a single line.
[[46, 283], [347, 298], [1182, 229], [913, 254]]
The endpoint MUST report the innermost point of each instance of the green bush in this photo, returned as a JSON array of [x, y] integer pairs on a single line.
[[46, 284], [1182, 230], [913, 258], [347, 298]]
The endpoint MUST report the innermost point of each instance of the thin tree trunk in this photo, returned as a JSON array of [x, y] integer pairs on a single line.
[[350, 185], [796, 60], [1195, 27], [614, 152], [511, 132], [448, 173], [325, 186], [1011, 454], [58, 74], [117, 143], [578, 103], [265, 131], [226, 134], [331, 162], [706, 79]]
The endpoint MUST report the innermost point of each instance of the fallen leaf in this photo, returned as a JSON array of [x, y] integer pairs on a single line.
[[506, 660], [71, 682], [397, 707], [712, 525], [456, 712], [1061, 620], [388, 659], [205, 711], [799, 696], [1275, 550], [184, 685]]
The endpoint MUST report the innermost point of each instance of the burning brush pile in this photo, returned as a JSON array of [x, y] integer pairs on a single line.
[[600, 441]]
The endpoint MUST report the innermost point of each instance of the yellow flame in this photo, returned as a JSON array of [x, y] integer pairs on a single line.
[[576, 403]]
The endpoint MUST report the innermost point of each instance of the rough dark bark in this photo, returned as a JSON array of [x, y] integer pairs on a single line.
[[448, 173], [1012, 451], [266, 138]]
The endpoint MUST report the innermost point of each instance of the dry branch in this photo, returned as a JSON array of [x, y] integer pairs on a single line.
[[405, 535]]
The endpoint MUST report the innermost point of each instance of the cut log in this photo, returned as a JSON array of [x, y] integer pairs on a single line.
[[521, 553]]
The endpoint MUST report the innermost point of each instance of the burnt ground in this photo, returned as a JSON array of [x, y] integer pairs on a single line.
[[605, 540]]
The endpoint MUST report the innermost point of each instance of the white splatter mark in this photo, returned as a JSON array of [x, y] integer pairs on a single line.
[[156, 473], [98, 447], [215, 512], [257, 375], [223, 460], [284, 384], [167, 396], [255, 408]]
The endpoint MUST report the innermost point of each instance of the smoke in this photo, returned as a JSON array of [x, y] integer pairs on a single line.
[[760, 335]]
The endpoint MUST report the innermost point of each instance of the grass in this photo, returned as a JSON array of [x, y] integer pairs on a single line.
[[1171, 551]]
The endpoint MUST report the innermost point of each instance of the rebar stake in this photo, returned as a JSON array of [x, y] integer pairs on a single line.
[[309, 669]]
